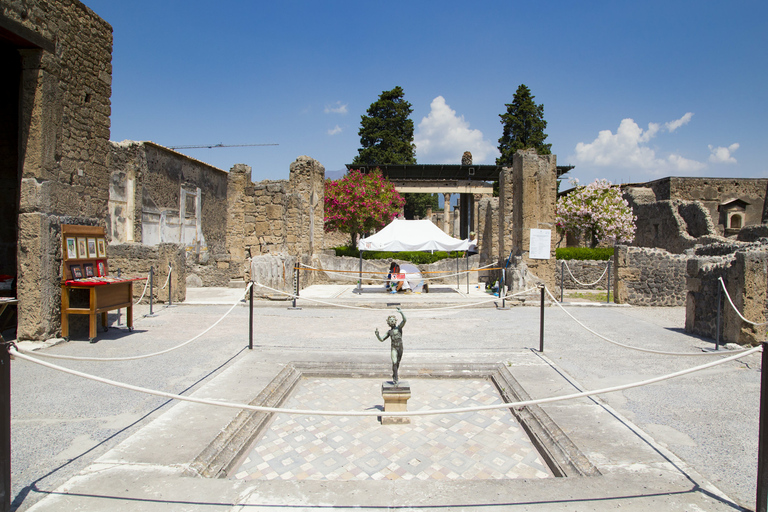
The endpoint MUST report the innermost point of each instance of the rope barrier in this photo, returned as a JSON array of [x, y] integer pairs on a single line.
[[146, 284], [585, 284], [356, 273], [309, 412], [455, 306], [170, 269], [727, 295], [650, 351], [145, 356]]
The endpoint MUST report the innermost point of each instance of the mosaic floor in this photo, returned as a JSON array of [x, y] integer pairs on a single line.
[[478, 445]]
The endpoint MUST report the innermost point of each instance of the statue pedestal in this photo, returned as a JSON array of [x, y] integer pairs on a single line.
[[395, 400]]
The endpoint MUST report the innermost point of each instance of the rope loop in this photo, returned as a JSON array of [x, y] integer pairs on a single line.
[[585, 284], [727, 295]]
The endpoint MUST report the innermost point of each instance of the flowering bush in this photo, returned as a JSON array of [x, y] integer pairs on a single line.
[[358, 203], [598, 211]]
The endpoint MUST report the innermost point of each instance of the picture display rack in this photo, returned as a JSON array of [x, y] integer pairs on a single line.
[[84, 252]]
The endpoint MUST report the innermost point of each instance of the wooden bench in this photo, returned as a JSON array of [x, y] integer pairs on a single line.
[[85, 267]]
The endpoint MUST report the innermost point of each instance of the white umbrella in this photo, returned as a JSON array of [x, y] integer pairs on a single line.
[[412, 276]]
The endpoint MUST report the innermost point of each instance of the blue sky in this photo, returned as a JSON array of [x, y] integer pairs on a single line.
[[632, 91]]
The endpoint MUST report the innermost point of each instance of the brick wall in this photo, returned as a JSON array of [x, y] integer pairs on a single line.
[[649, 277]]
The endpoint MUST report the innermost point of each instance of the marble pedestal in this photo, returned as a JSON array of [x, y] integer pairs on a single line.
[[395, 400]]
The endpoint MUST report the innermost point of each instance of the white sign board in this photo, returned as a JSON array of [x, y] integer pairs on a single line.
[[540, 244]]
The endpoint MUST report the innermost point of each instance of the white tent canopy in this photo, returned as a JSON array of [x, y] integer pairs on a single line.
[[411, 235]]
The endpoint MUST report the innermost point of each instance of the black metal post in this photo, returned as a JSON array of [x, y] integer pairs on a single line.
[[467, 273], [170, 278], [719, 307], [250, 319], [151, 287], [360, 276], [5, 427], [608, 286], [562, 279], [541, 322], [762, 449], [118, 311], [501, 290], [458, 283], [295, 285]]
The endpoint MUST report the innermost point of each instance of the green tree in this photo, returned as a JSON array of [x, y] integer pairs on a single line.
[[386, 133], [524, 127], [416, 205], [358, 203]]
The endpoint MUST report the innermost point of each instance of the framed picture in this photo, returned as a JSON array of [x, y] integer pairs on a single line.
[[92, 248], [101, 247], [76, 272], [88, 268], [71, 248], [82, 248], [101, 270]]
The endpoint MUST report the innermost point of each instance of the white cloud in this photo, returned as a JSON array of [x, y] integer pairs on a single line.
[[628, 148], [442, 137], [336, 108], [674, 125], [333, 131], [721, 155]]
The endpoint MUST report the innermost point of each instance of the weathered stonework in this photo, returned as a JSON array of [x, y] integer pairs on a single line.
[[136, 260], [744, 269], [649, 277], [585, 271], [60, 52]]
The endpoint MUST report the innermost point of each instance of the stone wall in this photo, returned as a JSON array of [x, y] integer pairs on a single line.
[[136, 260], [586, 271], [649, 277], [159, 196], [275, 217], [744, 269], [62, 56]]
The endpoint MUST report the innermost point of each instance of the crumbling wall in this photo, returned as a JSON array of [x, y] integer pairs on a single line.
[[275, 217], [65, 54], [744, 270], [649, 277], [136, 259]]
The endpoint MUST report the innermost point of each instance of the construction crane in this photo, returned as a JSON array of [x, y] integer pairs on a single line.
[[211, 146]]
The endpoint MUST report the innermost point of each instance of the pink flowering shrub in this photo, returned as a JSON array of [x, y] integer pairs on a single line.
[[597, 211], [359, 203]]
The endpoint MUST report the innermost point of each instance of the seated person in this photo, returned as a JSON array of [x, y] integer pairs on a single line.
[[395, 280]]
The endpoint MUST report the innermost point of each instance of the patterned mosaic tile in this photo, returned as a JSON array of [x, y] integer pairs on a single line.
[[478, 445]]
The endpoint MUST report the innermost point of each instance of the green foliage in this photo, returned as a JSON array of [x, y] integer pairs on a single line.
[[415, 257], [584, 253], [524, 127], [386, 133], [416, 205], [359, 203]]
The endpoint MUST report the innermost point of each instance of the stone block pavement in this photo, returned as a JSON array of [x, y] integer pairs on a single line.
[[682, 444]]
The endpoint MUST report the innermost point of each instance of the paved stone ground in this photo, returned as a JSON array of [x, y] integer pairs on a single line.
[[468, 446], [71, 436]]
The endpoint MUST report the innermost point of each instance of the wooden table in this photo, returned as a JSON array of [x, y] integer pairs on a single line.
[[103, 297]]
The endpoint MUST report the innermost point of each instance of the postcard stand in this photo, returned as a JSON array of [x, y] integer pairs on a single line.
[[85, 267]]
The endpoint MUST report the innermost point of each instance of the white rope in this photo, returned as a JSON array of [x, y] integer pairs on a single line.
[[643, 349], [310, 412], [132, 358], [734, 306], [585, 284], [142, 293], [455, 306], [354, 277], [167, 280]]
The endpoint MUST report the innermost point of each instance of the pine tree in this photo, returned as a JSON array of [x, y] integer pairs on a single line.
[[386, 133], [524, 127]]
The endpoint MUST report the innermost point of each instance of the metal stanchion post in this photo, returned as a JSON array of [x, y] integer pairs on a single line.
[[295, 287], [458, 277], [467, 273], [170, 278], [359, 290], [762, 450], [717, 327], [118, 311], [250, 319], [608, 285], [541, 324], [151, 287], [562, 279]]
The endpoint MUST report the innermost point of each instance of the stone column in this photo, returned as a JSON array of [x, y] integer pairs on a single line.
[[535, 185], [446, 212]]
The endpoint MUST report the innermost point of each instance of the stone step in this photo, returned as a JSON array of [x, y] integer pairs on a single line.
[[237, 283]]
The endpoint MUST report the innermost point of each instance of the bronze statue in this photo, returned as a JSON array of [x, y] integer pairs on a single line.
[[396, 335]]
